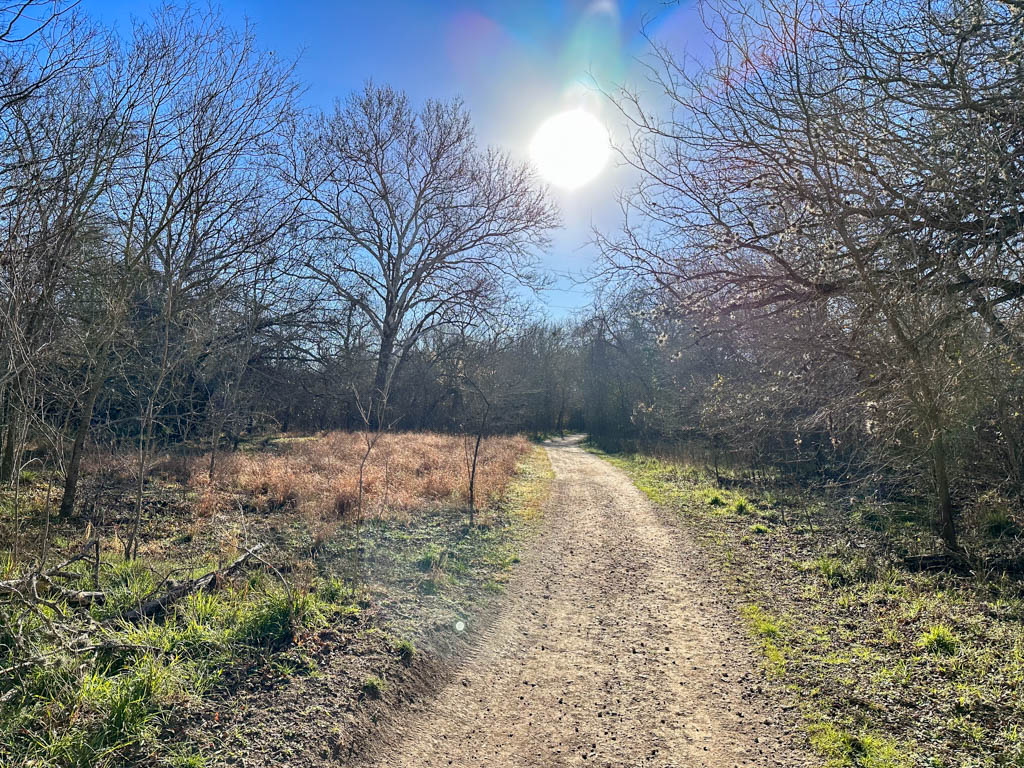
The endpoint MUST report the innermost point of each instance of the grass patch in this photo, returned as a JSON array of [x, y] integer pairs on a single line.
[[406, 650], [939, 639], [863, 749], [109, 705], [431, 558], [762, 624], [373, 687]]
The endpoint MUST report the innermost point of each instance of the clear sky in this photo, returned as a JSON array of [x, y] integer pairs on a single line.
[[514, 62]]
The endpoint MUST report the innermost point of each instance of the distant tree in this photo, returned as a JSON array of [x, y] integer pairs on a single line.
[[408, 220]]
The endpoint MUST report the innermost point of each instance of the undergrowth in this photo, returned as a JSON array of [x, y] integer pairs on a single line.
[[85, 686], [107, 699]]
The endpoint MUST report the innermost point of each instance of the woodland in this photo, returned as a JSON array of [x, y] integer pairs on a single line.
[[238, 334]]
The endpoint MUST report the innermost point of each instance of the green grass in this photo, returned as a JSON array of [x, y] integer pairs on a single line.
[[891, 668], [863, 749], [762, 624], [112, 693], [939, 639], [406, 650], [998, 523], [108, 705], [430, 558]]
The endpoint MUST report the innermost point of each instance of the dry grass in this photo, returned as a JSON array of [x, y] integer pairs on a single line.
[[318, 477], [305, 484]]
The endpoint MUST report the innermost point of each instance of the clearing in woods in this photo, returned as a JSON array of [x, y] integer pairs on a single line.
[[613, 648]]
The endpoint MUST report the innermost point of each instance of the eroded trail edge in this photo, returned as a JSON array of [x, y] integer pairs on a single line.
[[612, 648]]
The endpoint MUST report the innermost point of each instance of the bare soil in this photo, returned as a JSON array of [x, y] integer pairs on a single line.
[[614, 646]]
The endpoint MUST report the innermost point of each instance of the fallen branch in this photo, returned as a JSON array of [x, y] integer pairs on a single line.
[[947, 561], [77, 597], [207, 582], [33, 583]]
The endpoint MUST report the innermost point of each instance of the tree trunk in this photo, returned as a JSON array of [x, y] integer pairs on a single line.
[[383, 376], [7, 461], [380, 378], [947, 528], [67, 502], [472, 477], [212, 469]]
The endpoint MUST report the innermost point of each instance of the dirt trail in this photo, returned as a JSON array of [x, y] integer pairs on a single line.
[[611, 649]]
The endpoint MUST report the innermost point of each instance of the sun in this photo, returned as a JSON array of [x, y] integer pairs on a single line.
[[570, 148]]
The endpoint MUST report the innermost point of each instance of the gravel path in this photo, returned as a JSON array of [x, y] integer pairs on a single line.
[[612, 648]]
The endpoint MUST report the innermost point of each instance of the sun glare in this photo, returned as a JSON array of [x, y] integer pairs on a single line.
[[570, 148]]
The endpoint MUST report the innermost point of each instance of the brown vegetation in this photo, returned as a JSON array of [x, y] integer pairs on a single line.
[[318, 475], [312, 479]]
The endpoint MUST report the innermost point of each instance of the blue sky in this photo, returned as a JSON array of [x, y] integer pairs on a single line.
[[514, 63]]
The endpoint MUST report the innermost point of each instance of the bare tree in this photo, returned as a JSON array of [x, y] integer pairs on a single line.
[[839, 182], [408, 220], [199, 207]]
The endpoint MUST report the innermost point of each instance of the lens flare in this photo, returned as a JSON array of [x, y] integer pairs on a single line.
[[570, 148]]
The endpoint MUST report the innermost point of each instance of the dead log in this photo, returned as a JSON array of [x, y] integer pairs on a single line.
[[156, 606]]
